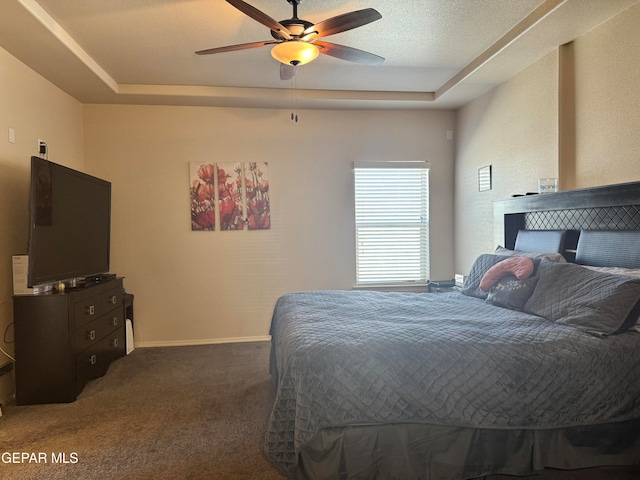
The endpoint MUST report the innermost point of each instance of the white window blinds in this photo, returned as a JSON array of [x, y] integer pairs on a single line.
[[392, 222]]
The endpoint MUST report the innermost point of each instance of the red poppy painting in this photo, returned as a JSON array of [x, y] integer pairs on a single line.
[[230, 196], [230, 187], [256, 177], [202, 177]]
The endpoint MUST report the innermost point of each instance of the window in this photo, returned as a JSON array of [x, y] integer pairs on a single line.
[[392, 222]]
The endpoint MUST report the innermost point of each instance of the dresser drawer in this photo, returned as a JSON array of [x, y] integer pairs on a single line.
[[87, 310], [93, 307], [94, 331], [111, 299], [94, 362]]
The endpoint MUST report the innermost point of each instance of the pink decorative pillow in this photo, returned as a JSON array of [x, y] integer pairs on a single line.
[[519, 267]]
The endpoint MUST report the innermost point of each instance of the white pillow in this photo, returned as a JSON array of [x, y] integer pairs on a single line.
[[555, 257], [629, 272]]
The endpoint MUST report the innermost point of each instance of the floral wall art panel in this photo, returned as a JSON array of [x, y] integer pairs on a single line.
[[256, 176], [202, 181], [230, 196]]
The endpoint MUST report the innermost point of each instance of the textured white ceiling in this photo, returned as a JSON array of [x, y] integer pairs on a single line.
[[142, 51]]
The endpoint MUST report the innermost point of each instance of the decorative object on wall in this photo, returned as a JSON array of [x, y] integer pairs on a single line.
[[235, 188], [43, 197], [202, 180], [230, 196], [256, 178], [484, 178]]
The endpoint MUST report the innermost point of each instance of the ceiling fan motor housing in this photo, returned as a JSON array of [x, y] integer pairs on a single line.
[[295, 26]]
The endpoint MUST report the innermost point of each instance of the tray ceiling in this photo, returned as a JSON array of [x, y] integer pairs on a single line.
[[439, 54]]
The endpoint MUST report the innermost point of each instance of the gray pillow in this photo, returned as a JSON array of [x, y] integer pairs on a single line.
[[512, 293], [595, 302], [630, 272], [483, 263]]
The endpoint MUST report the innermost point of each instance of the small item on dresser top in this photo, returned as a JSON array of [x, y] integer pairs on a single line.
[[548, 185]]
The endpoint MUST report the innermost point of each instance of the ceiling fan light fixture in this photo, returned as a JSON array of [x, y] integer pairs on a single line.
[[294, 52]]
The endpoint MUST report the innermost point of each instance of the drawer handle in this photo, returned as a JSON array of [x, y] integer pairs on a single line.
[[113, 300], [114, 342], [93, 359], [114, 321], [91, 309], [92, 335]]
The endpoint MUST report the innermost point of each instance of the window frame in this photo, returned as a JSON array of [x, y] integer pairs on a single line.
[[424, 224]]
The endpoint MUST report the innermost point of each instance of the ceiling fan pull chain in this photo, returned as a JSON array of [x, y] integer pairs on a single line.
[[294, 100], [295, 96]]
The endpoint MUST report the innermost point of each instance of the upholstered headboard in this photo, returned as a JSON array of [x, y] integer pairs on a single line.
[[547, 241], [600, 248]]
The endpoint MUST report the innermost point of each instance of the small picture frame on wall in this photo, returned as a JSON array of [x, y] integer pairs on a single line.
[[484, 178]]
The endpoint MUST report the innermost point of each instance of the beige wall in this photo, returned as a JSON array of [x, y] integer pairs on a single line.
[[193, 287], [608, 102], [515, 128], [34, 109]]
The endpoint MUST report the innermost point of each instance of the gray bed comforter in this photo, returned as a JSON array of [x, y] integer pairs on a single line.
[[359, 358]]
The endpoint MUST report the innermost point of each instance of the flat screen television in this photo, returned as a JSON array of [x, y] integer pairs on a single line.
[[70, 224]]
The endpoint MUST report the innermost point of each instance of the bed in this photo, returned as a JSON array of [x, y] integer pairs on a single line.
[[464, 384]]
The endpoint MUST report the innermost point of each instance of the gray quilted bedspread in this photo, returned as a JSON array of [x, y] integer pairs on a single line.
[[342, 358]]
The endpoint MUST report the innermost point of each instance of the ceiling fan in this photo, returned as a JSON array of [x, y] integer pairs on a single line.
[[296, 40]]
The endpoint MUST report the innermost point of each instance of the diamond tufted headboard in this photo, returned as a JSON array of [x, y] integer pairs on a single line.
[[606, 208]]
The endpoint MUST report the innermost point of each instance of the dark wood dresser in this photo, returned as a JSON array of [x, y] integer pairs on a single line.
[[63, 340]]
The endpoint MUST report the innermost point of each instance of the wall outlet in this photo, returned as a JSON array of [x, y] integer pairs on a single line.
[[42, 148]]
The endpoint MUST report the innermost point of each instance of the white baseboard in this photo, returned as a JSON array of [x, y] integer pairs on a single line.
[[210, 341]]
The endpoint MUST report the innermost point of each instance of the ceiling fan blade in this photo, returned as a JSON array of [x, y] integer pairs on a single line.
[[233, 48], [287, 72], [261, 17], [344, 22], [348, 53]]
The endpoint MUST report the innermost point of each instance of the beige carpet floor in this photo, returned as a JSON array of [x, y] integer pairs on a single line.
[[160, 413]]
